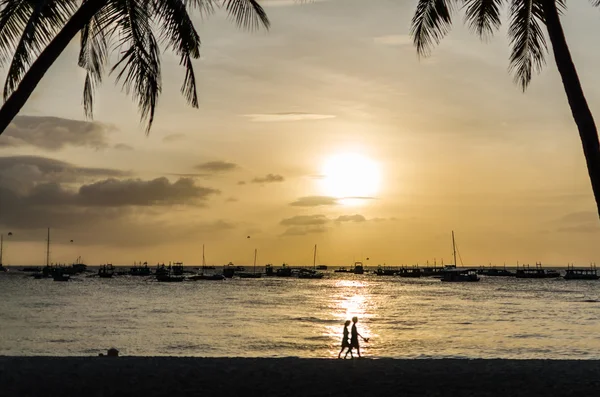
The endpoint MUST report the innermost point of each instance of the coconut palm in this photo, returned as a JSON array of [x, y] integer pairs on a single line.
[[33, 34], [432, 21]]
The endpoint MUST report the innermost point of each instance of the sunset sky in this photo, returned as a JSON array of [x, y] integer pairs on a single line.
[[325, 130]]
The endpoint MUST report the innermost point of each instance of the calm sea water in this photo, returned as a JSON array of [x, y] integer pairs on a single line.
[[277, 317]]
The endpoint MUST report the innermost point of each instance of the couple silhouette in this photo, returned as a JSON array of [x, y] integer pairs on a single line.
[[351, 343]]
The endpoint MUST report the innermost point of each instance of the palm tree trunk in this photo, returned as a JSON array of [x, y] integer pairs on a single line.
[[579, 106], [49, 55]]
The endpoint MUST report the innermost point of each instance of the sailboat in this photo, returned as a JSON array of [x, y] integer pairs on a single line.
[[453, 274], [2, 268], [202, 276], [311, 274], [253, 274]]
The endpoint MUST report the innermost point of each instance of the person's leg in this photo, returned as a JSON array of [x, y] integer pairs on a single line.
[[341, 351], [348, 351], [358, 351]]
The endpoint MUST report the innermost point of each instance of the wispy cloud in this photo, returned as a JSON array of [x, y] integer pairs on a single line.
[[123, 146], [217, 166], [314, 201], [292, 116], [305, 220], [303, 230], [351, 218], [174, 138], [269, 178]]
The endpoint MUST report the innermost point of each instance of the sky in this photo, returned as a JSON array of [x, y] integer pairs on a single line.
[[327, 129]]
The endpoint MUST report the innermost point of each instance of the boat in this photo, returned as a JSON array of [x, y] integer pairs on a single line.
[[140, 270], [322, 267], [2, 267], [31, 269], [536, 272], [253, 274], [452, 274], [342, 270], [229, 270], [78, 266], [495, 272], [581, 274], [177, 269], [409, 272], [384, 271], [311, 273], [167, 276], [106, 271], [162, 269], [202, 275], [459, 275], [60, 276], [358, 268]]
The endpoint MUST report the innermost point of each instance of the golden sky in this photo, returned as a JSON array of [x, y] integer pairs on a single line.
[[325, 130]]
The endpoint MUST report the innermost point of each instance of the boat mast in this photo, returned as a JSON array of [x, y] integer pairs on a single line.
[[454, 248], [254, 269], [1, 247], [48, 249], [203, 261], [315, 258]]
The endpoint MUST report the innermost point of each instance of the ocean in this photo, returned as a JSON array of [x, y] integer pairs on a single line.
[[281, 317]]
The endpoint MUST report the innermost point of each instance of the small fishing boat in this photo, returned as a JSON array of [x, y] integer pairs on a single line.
[[140, 270], [60, 276], [385, 271], [358, 268], [254, 274], [342, 270], [409, 272], [311, 273], [177, 269], [202, 275], [167, 275], [321, 267], [536, 272], [106, 271], [581, 274], [495, 272]]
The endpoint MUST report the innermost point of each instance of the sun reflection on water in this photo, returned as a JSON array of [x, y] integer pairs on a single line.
[[350, 299]]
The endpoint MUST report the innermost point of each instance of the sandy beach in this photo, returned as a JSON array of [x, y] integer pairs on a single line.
[[166, 376]]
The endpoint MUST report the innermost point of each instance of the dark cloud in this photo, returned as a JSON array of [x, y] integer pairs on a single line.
[[137, 192], [123, 146], [21, 173], [270, 178], [53, 133], [351, 218], [174, 138], [305, 220], [217, 166], [314, 201]]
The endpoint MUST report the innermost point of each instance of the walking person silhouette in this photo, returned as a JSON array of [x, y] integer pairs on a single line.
[[354, 339], [345, 341]]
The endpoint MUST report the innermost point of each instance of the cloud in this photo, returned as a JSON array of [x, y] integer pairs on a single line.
[[305, 220], [174, 138], [217, 166], [351, 218], [314, 201], [53, 133], [122, 146], [22, 173], [270, 178], [579, 222], [293, 116], [231, 200], [241, 182], [303, 230], [394, 40], [136, 192]]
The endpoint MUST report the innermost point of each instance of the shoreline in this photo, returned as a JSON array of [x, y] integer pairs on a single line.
[[162, 376]]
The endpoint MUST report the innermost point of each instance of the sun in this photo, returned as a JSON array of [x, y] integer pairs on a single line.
[[350, 175]]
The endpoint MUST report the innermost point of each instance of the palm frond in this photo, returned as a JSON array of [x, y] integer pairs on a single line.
[[139, 62], [528, 52], [483, 16], [14, 15], [431, 22], [47, 17], [247, 14], [179, 32]]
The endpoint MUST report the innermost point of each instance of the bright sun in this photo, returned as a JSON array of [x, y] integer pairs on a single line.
[[350, 175]]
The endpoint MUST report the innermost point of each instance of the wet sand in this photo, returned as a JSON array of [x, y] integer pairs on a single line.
[[223, 377]]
